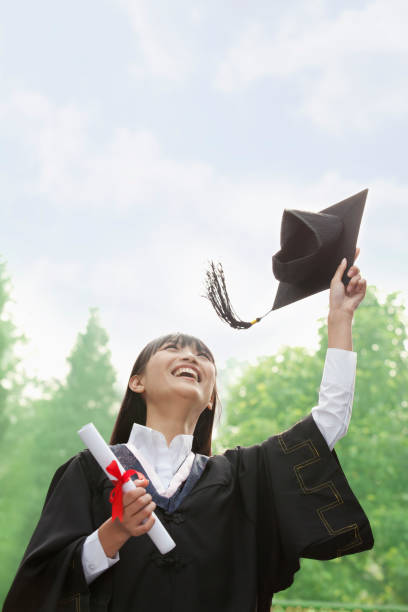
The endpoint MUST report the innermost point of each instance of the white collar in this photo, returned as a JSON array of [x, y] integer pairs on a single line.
[[153, 445]]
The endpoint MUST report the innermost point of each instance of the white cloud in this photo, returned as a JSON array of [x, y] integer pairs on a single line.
[[70, 171], [348, 69], [131, 173], [51, 137], [40, 312], [162, 41], [154, 283]]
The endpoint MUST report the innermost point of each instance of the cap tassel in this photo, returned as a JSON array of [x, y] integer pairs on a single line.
[[216, 292]]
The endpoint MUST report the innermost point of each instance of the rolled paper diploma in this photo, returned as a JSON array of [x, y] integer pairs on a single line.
[[91, 437]]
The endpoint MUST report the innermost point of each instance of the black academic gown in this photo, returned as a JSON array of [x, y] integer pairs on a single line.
[[240, 533]]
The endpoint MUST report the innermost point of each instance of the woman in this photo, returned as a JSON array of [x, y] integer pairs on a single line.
[[241, 520]]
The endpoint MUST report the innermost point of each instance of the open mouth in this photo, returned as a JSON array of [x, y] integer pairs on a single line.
[[185, 372]]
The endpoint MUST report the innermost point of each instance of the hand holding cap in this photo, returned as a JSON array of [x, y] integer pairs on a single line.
[[312, 245]]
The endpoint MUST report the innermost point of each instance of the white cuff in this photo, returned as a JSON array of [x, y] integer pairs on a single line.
[[333, 413], [94, 560]]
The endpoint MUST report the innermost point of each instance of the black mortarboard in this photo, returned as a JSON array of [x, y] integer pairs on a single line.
[[312, 247]]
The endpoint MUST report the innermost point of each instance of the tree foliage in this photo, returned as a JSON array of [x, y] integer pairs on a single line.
[[88, 394], [10, 339], [46, 436], [272, 395]]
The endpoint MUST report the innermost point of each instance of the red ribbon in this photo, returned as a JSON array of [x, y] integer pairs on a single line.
[[116, 496]]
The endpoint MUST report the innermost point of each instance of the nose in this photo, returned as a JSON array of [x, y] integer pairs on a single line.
[[188, 354]]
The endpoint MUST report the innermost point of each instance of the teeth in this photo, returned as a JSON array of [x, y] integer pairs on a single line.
[[181, 371]]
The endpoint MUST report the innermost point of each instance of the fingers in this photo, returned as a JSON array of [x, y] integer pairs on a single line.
[[343, 265], [130, 497], [144, 513], [340, 271], [141, 482], [134, 500], [137, 511], [353, 271], [142, 521], [353, 283], [138, 531], [362, 285], [138, 505], [351, 295], [356, 285]]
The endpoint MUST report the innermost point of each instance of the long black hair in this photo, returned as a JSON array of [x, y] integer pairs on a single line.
[[133, 407]]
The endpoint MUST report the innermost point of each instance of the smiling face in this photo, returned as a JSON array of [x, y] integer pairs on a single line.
[[178, 373]]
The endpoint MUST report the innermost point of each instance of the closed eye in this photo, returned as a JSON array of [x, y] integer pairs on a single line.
[[177, 347]]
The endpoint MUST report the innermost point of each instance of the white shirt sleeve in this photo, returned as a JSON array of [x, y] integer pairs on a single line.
[[333, 413], [94, 560]]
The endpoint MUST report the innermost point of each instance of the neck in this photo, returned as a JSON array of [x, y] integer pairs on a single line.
[[179, 423]]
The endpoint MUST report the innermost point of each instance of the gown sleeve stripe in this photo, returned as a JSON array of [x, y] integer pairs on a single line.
[[337, 501]]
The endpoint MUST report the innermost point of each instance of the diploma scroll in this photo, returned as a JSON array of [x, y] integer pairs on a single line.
[[101, 452]]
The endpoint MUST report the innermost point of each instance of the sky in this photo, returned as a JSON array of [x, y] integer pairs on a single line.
[[141, 139]]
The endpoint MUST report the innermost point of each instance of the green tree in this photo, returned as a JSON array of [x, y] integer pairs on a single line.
[[50, 437], [272, 395], [88, 394], [10, 376]]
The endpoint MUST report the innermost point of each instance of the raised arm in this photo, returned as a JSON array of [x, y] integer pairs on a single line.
[[343, 302], [333, 412]]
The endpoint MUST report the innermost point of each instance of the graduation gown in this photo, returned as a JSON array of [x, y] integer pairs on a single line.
[[240, 532]]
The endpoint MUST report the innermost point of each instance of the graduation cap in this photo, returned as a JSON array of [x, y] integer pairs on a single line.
[[312, 247]]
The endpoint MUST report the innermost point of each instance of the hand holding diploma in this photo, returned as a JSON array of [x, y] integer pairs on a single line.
[[136, 503]]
